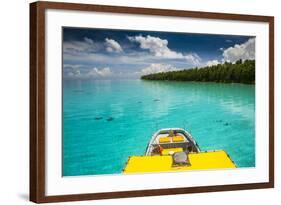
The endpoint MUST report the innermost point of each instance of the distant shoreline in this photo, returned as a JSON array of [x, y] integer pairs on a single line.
[[239, 72]]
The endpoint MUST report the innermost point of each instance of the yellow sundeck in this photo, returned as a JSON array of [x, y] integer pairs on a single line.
[[174, 149], [198, 161]]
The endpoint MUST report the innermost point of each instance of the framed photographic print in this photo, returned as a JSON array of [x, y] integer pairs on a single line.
[[129, 102]]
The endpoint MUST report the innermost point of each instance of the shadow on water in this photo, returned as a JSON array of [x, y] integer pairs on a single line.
[[109, 119]]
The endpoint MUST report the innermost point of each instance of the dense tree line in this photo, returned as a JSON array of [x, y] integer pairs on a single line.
[[238, 72]]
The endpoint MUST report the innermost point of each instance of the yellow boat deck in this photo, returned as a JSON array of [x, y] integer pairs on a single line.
[[198, 161]]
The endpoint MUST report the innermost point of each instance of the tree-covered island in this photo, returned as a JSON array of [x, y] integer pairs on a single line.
[[238, 72]]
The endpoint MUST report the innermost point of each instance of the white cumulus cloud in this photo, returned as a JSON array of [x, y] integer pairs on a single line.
[[159, 47], [244, 51], [240, 51], [212, 62], [74, 73], [91, 73], [72, 66], [112, 46], [157, 68], [87, 45], [89, 41], [95, 72]]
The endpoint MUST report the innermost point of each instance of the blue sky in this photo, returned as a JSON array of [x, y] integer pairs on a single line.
[[109, 54]]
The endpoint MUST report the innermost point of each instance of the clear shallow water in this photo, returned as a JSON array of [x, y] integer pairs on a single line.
[[105, 122]]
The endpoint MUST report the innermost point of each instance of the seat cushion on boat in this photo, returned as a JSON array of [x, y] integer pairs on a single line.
[[178, 138], [171, 151], [180, 159], [164, 139]]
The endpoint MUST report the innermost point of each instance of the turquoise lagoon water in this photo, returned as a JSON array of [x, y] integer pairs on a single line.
[[105, 122]]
